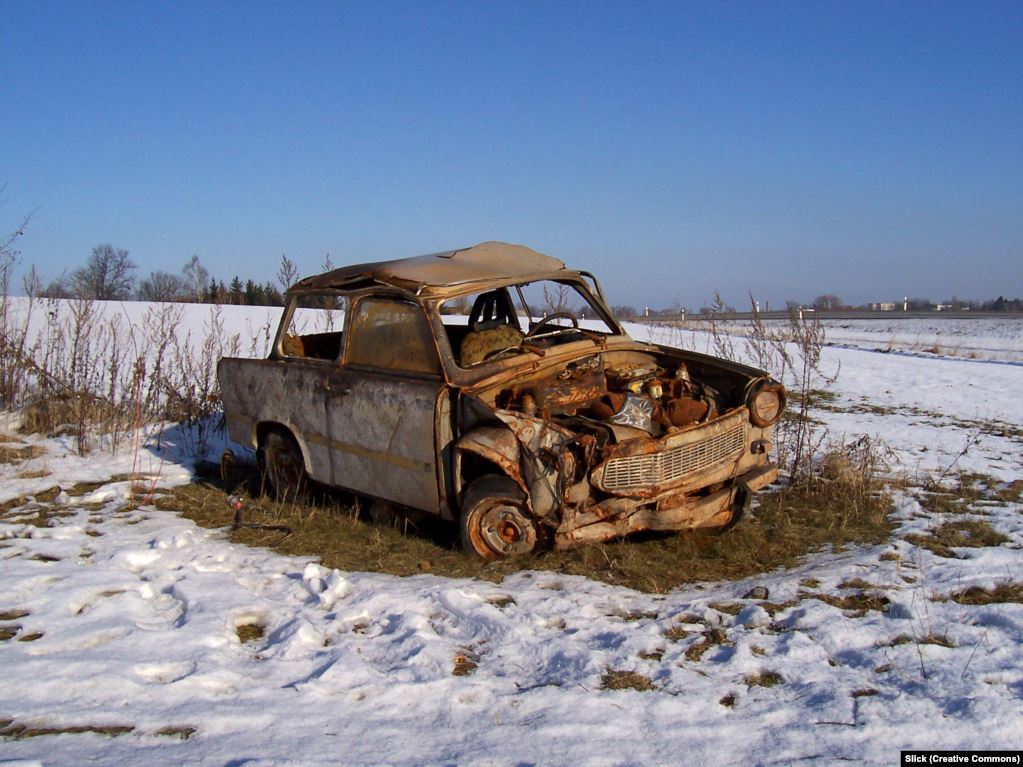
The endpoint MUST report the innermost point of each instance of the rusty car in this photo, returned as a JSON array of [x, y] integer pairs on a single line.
[[494, 387]]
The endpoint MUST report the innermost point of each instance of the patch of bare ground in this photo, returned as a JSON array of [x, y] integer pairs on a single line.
[[831, 510], [941, 640], [711, 638], [465, 663], [1001, 593], [9, 454], [13, 730], [249, 631], [764, 679], [855, 605], [675, 632], [614, 679], [958, 534]]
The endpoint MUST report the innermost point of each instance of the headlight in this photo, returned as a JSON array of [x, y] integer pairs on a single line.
[[766, 401]]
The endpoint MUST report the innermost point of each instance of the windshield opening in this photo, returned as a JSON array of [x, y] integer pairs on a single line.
[[527, 318]]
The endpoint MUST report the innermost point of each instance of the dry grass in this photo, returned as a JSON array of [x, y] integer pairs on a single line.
[[968, 533], [1002, 593], [940, 640], [764, 679], [789, 523], [12, 730], [712, 637], [10, 454], [614, 679], [249, 632], [465, 663], [181, 733], [856, 605], [675, 633]]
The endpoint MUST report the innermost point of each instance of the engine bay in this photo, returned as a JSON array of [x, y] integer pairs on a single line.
[[618, 397]]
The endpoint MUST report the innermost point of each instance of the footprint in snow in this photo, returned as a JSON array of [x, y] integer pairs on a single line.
[[164, 673]]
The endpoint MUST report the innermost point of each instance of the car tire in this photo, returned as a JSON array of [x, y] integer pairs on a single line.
[[495, 521], [282, 467]]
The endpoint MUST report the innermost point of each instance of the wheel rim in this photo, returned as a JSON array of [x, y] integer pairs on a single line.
[[504, 530]]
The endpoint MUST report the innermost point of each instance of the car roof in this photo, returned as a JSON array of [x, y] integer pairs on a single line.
[[485, 262]]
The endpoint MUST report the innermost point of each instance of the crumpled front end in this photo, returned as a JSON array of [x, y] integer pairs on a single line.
[[605, 446]]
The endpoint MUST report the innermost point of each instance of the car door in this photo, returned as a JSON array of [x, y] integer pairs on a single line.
[[382, 404]]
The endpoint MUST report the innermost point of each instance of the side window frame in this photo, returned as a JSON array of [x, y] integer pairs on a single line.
[[291, 307], [355, 310]]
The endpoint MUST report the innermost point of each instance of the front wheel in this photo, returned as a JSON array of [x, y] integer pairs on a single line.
[[495, 522]]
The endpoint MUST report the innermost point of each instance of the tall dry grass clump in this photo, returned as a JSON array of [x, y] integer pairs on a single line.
[[82, 368], [790, 351]]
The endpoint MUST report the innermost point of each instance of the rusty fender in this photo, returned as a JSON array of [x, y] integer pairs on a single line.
[[528, 450], [544, 446], [497, 445]]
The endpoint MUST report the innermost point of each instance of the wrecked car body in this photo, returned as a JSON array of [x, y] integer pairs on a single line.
[[530, 427]]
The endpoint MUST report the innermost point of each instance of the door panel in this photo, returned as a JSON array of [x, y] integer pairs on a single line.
[[382, 403], [381, 431]]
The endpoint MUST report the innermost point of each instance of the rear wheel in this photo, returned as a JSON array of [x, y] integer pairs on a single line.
[[282, 466], [495, 522]]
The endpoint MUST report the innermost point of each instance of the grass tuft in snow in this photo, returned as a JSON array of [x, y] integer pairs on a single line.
[[675, 633], [13, 730], [969, 533], [465, 663], [1001, 593], [249, 632], [764, 679], [712, 637], [856, 605], [615, 679], [181, 733]]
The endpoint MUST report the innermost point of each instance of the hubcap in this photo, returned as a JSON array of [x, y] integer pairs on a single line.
[[506, 530]]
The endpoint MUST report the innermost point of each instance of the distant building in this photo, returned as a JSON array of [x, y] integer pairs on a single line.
[[886, 306]]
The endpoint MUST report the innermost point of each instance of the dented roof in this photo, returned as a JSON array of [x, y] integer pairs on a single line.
[[480, 263]]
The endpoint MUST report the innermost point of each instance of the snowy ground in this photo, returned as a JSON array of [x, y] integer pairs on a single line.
[[138, 612], [983, 338]]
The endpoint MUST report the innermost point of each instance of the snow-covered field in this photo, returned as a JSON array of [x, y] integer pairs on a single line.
[[128, 618], [983, 338]]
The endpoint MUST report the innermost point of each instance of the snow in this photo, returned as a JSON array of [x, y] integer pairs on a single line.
[[139, 610]]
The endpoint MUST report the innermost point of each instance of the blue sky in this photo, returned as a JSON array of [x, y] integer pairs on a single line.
[[870, 150]]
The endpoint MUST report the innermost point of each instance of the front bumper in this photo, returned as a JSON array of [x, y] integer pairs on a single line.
[[670, 512]]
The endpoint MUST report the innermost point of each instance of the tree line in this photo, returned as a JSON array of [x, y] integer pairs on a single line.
[[109, 275]]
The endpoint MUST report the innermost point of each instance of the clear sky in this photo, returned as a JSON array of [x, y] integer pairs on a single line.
[[870, 150]]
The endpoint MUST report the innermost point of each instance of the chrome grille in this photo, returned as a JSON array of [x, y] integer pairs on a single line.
[[650, 470]]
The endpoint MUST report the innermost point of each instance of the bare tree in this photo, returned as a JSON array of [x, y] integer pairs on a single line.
[[827, 301], [58, 287], [287, 275], [161, 286], [555, 297], [32, 282], [196, 276], [106, 276]]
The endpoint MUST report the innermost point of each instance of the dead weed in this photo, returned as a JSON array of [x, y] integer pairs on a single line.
[[614, 679], [959, 534], [1002, 593]]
